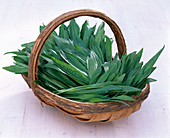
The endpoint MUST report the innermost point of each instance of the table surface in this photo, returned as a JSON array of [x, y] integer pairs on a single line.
[[145, 24]]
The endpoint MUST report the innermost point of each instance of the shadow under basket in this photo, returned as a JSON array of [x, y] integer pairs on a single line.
[[84, 112]]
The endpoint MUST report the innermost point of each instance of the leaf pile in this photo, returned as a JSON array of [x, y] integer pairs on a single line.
[[77, 64]]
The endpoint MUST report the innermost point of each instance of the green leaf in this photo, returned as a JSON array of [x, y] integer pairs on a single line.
[[53, 66], [83, 29], [92, 63], [124, 97], [129, 81], [104, 76], [73, 62], [46, 57], [73, 29], [119, 78], [94, 46], [63, 43], [63, 32], [96, 75], [122, 68], [108, 49], [92, 86], [95, 100], [56, 54], [50, 86], [60, 76], [84, 97], [139, 54], [152, 61], [111, 76], [81, 50], [21, 59], [79, 58], [130, 89], [150, 80], [68, 69], [131, 61], [80, 43], [87, 34], [146, 81], [51, 80], [16, 53], [102, 90], [147, 73], [100, 34], [28, 45], [17, 69], [21, 64]]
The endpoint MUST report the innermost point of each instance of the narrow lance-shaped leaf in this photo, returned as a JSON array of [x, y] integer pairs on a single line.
[[108, 49], [17, 69], [87, 34], [94, 46], [152, 61], [83, 29], [92, 86], [73, 62], [63, 32], [100, 34], [73, 29], [92, 63], [70, 70]]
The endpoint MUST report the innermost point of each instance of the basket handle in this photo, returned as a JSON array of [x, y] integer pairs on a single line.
[[39, 43]]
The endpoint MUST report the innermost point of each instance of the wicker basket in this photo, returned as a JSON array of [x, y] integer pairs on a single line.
[[85, 112]]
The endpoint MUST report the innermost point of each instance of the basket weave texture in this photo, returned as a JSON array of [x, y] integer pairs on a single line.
[[84, 112]]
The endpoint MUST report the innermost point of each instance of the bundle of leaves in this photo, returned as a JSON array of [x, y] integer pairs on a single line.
[[77, 64]]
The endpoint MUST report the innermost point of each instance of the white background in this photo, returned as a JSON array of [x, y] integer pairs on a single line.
[[144, 23]]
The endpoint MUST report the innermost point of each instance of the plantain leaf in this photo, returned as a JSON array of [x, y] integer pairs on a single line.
[[94, 46], [16, 53], [119, 78], [73, 29], [104, 76], [60, 76], [102, 90], [73, 62], [96, 75], [68, 69], [152, 61], [46, 77], [129, 89], [87, 35], [80, 45], [124, 97], [63, 43], [63, 32], [92, 86], [108, 49], [100, 34], [92, 63], [17, 69], [139, 54], [83, 29]]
